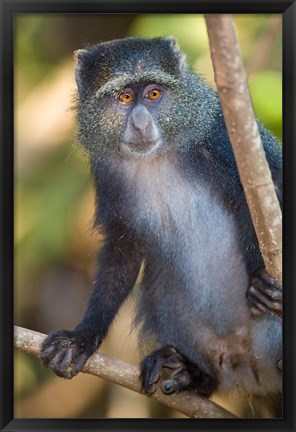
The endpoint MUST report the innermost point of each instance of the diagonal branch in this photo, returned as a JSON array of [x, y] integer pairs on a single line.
[[126, 375]]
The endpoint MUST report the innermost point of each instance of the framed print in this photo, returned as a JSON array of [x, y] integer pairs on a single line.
[[135, 294]]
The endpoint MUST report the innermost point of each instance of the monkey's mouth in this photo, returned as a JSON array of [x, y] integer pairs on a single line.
[[141, 148]]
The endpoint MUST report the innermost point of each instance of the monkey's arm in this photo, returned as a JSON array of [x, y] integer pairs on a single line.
[[66, 351]]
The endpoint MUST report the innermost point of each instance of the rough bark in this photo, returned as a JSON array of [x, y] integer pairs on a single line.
[[230, 78]]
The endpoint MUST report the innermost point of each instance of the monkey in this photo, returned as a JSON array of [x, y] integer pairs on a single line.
[[169, 201]]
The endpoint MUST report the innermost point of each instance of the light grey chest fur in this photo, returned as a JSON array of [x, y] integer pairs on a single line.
[[192, 230]]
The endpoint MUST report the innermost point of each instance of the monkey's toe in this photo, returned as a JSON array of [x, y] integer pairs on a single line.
[[265, 295], [65, 352]]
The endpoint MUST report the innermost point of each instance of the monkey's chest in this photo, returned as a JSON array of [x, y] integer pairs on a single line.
[[185, 222], [191, 245]]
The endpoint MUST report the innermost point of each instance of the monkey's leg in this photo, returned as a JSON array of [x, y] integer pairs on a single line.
[[66, 351], [180, 373], [265, 295]]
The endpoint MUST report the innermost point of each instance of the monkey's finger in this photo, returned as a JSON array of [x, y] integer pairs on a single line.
[[152, 365], [169, 386], [147, 378], [173, 362], [263, 274], [257, 309], [148, 386], [67, 364], [47, 354], [154, 373], [79, 363], [272, 306], [179, 382], [61, 363], [150, 374], [273, 295], [270, 291]]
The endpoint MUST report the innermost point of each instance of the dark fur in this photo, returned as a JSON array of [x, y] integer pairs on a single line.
[[181, 210]]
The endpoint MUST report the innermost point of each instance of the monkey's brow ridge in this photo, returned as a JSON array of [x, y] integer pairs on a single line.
[[118, 83]]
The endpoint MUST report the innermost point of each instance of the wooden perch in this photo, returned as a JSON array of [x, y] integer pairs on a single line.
[[230, 78], [127, 375]]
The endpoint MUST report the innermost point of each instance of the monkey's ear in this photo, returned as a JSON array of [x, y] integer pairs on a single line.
[[80, 56], [180, 57]]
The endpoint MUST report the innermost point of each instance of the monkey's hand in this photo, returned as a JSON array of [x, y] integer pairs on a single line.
[[265, 295], [65, 352], [180, 373]]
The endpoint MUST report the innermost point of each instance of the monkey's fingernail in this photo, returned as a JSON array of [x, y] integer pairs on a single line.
[[151, 389]]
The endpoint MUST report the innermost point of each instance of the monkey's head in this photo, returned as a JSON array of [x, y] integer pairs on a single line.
[[130, 95]]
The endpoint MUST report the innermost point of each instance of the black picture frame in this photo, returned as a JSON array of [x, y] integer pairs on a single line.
[[8, 9]]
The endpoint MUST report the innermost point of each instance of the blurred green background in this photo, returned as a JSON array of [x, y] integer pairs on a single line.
[[55, 245]]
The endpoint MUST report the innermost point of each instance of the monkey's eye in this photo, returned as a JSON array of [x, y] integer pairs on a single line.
[[153, 94], [126, 97]]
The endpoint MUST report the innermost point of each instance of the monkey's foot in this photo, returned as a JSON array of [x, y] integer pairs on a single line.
[[265, 295], [65, 352], [179, 373]]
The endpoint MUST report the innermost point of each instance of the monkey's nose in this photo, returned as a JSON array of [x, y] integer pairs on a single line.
[[140, 117]]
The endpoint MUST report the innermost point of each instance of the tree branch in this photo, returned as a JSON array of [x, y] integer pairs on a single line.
[[127, 375], [244, 135]]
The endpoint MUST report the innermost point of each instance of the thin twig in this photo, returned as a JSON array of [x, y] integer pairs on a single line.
[[126, 375]]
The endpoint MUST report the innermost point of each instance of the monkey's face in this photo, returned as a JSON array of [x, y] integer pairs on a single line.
[[128, 91], [140, 105]]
